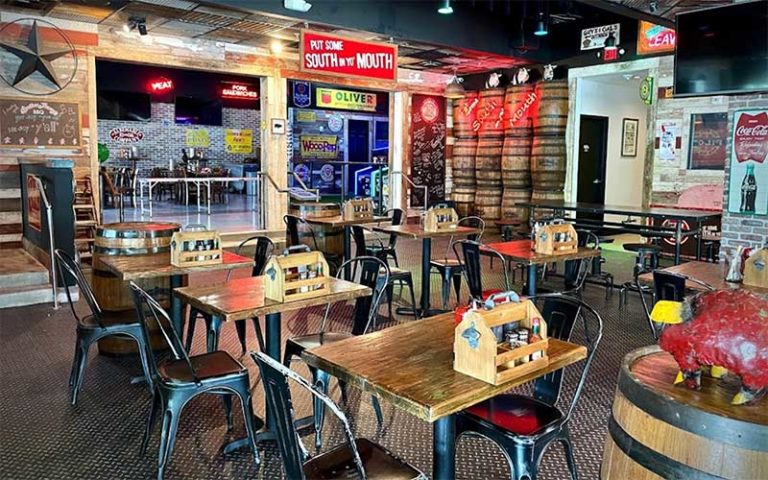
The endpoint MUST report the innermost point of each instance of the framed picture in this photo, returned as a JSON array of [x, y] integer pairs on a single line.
[[748, 184], [629, 137], [708, 139]]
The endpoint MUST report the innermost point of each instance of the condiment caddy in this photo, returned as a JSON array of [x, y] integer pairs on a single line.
[[295, 276], [756, 269], [496, 342], [196, 248], [440, 217], [358, 209], [555, 238]]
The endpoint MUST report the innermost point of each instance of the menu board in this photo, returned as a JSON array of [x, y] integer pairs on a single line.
[[33, 123], [347, 57], [428, 148]]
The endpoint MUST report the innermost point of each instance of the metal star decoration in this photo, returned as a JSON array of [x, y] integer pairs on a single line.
[[34, 58]]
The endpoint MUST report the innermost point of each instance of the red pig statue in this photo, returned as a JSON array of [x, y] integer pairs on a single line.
[[724, 328]]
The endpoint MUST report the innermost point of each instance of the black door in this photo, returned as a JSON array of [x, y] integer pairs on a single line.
[[593, 145], [358, 138]]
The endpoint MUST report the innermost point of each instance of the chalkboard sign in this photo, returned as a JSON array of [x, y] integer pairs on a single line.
[[32, 123], [428, 148]]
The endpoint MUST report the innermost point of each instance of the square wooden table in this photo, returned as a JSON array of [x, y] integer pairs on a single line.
[[711, 273], [520, 251], [416, 232], [411, 367], [159, 265]]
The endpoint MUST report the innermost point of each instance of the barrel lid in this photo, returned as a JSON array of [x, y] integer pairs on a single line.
[[137, 229]]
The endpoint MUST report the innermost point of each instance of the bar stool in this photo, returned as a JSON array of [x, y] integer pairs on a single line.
[[647, 261]]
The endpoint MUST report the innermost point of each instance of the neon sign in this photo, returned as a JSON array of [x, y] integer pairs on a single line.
[[161, 84], [239, 90]]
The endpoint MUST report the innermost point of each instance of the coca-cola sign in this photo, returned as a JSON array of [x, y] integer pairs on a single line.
[[750, 137]]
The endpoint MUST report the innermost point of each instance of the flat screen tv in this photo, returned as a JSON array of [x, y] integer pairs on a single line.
[[722, 50], [198, 111], [117, 105]]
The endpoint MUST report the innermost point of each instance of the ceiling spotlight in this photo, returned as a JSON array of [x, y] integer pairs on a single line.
[[136, 23], [541, 26], [276, 46], [142, 27], [446, 8], [653, 5], [454, 88], [297, 5]]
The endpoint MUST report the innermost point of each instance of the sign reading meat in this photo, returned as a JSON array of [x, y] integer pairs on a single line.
[[334, 55], [750, 137]]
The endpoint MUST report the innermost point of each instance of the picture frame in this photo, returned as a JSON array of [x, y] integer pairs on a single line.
[[707, 141], [629, 128]]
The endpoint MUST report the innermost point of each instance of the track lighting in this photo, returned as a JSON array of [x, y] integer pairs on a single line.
[[136, 23], [541, 26], [446, 8]]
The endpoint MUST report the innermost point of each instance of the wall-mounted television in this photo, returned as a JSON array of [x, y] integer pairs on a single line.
[[198, 111], [722, 50], [126, 106]]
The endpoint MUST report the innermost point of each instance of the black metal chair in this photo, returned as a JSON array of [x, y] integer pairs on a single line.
[[525, 426], [358, 458], [389, 250], [264, 248], [590, 239], [647, 260], [451, 268], [374, 274], [91, 328], [667, 286], [292, 223], [179, 379], [471, 251], [397, 276]]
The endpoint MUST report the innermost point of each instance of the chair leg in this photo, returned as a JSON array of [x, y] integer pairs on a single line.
[[241, 335], [227, 401], [413, 299], [191, 328], [570, 458], [377, 409], [82, 360], [446, 291], [394, 257], [145, 364], [75, 364], [156, 404], [523, 461], [457, 286], [259, 334], [389, 291], [320, 380], [167, 437], [247, 404]]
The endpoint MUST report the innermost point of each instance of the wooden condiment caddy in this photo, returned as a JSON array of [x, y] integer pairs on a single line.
[[358, 209], [196, 248], [477, 352], [440, 218], [296, 276], [756, 269], [556, 238]]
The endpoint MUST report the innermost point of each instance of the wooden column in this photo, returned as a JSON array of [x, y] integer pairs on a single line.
[[274, 149], [400, 141]]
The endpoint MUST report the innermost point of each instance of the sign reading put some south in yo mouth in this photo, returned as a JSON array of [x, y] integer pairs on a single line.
[[346, 100]]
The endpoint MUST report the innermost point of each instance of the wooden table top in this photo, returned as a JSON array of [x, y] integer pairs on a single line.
[[520, 251], [711, 273], [159, 265], [417, 231], [338, 221], [244, 298], [411, 366]]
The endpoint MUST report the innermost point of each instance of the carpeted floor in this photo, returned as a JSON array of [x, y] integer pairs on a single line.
[[43, 437]]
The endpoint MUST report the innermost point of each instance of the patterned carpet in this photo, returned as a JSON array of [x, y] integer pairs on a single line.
[[43, 437]]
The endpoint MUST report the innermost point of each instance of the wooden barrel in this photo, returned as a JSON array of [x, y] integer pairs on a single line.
[[552, 115], [519, 105], [463, 162], [509, 200], [491, 113], [548, 163], [488, 203], [516, 162], [329, 239], [464, 199], [114, 296], [660, 430], [465, 123], [488, 163]]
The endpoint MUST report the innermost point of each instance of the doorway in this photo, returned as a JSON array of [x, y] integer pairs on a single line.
[[593, 146]]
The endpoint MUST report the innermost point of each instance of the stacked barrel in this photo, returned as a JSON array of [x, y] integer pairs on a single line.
[[465, 127], [519, 102], [490, 143], [548, 148]]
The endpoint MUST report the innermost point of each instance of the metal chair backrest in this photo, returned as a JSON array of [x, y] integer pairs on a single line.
[[149, 310], [264, 248], [668, 286], [372, 273], [358, 236], [280, 408], [562, 313], [588, 239], [470, 250], [398, 218], [65, 263], [292, 223], [471, 221]]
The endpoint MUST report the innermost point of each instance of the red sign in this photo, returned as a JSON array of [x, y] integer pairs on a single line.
[[610, 54], [652, 38], [239, 90], [334, 55], [750, 137], [161, 84]]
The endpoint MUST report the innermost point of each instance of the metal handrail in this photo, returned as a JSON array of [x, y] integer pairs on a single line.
[[51, 245], [296, 177], [410, 182]]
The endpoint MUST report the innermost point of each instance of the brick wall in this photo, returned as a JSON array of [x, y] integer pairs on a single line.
[[163, 139]]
